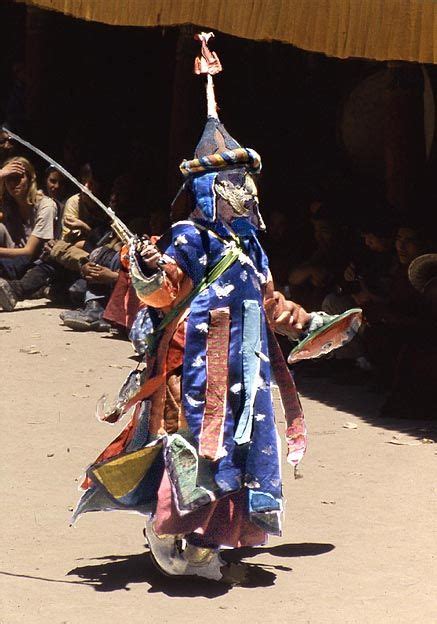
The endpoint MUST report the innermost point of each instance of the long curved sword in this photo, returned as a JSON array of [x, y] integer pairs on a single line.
[[117, 224]]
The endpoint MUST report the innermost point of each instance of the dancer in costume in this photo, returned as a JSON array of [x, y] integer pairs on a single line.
[[201, 455]]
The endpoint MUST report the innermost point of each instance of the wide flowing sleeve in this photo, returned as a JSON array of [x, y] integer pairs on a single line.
[[184, 251], [190, 247]]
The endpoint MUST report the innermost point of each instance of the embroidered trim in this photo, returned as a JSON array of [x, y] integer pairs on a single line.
[[238, 156]]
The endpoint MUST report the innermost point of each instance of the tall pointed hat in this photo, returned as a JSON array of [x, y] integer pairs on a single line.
[[221, 170]]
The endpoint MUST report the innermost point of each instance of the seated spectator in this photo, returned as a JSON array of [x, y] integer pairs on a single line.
[[367, 279], [7, 147], [368, 275], [101, 271], [402, 304], [412, 393], [397, 321], [109, 297], [129, 194], [312, 280], [27, 283], [28, 219], [81, 214], [55, 185]]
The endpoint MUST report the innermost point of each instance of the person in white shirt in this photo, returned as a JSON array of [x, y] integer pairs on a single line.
[[27, 218]]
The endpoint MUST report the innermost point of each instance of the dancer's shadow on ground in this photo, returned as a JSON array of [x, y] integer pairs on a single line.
[[117, 572], [114, 572], [306, 549]]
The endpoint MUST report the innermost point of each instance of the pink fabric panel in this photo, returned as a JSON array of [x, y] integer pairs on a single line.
[[224, 523]]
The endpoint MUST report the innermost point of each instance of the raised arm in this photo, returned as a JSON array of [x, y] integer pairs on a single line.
[[156, 278]]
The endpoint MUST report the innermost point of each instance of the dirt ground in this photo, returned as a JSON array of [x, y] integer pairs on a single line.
[[359, 543]]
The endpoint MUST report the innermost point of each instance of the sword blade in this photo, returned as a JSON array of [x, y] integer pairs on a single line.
[[68, 175]]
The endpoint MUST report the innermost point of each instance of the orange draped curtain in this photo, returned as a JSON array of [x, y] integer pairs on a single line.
[[373, 29]]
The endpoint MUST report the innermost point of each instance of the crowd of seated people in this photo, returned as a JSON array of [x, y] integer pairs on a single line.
[[366, 265], [59, 244]]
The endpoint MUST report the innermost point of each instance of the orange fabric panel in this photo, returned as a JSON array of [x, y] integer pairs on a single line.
[[211, 436], [374, 29], [166, 295], [162, 298]]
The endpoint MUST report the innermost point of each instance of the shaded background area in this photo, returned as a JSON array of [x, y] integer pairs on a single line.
[[127, 94]]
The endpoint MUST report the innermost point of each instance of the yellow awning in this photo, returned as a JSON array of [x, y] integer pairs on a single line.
[[373, 29]]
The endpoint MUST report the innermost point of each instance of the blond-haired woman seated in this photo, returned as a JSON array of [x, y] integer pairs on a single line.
[[27, 220]]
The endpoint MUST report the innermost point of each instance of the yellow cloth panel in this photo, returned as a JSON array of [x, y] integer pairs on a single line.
[[373, 29], [121, 475]]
